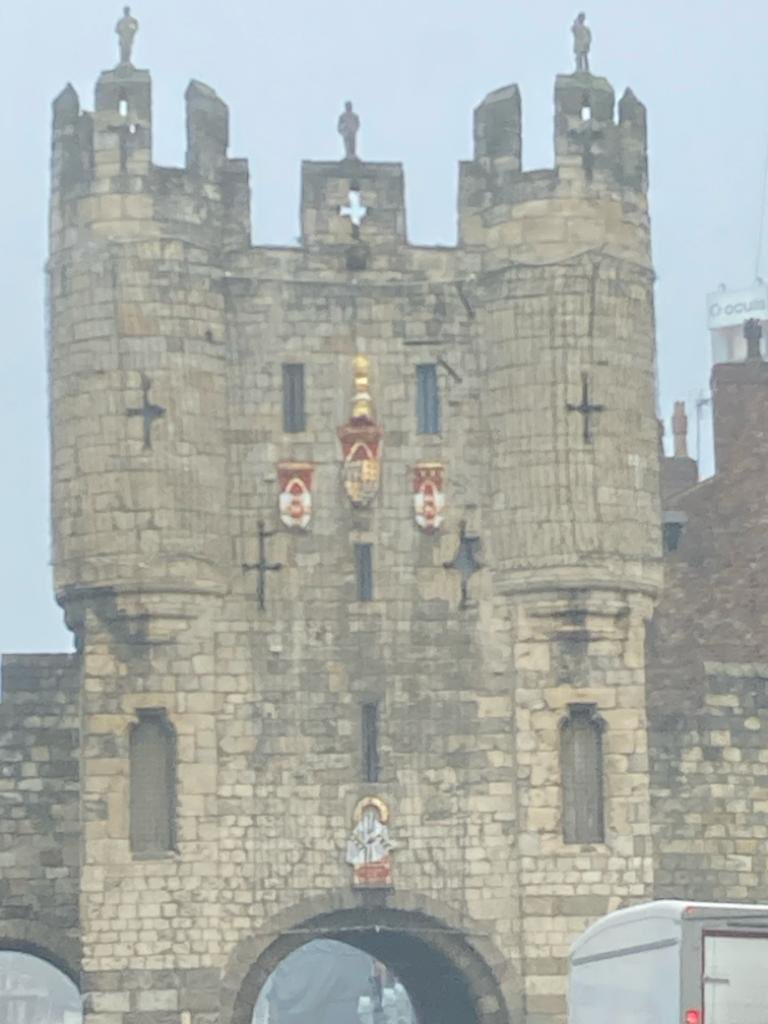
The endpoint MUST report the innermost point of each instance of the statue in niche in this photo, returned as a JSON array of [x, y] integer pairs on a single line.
[[349, 126], [582, 43], [126, 30], [369, 847]]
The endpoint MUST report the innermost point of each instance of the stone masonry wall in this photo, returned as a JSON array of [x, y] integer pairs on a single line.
[[709, 776], [39, 805]]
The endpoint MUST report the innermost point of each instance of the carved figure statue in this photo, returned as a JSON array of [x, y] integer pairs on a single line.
[[370, 842], [369, 847], [126, 30], [582, 43], [349, 126]]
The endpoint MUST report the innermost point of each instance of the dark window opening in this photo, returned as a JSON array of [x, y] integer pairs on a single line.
[[427, 399], [672, 530], [370, 731], [581, 754], [153, 784], [294, 411], [364, 571]]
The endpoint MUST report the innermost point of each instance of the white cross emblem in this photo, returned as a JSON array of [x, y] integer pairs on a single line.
[[355, 210]]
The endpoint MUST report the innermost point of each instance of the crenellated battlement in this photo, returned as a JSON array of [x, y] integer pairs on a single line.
[[109, 152], [600, 176], [597, 157], [117, 137], [588, 138]]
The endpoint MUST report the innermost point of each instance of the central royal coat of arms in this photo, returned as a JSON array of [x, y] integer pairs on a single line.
[[361, 443]]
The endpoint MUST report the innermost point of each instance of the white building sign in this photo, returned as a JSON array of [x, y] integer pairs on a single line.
[[730, 309]]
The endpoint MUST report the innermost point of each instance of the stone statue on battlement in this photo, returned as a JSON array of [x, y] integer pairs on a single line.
[[582, 43], [126, 30], [349, 126]]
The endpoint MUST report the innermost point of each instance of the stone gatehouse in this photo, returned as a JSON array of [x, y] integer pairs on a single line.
[[366, 535]]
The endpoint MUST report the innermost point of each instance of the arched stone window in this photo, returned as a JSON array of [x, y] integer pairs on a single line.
[[581, 763], [153, 784]]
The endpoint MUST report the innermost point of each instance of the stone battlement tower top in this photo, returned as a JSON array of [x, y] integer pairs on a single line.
[[110, 151]]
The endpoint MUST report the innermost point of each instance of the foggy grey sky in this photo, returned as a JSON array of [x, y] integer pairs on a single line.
[[415, 69]]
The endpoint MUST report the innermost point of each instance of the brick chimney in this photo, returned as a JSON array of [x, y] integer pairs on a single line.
[[740, 408], [680, 471]]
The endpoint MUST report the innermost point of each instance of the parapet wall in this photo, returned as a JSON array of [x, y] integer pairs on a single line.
[[109, 152], [596, 157], [39, 794], [593, 198]]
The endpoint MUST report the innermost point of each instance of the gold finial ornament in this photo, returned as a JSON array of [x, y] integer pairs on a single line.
[[362, 403]]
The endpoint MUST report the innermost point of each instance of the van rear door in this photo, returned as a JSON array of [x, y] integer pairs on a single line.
[[735, 979]]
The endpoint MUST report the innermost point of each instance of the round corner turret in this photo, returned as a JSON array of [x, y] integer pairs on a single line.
[[564, 257], [138, 399]]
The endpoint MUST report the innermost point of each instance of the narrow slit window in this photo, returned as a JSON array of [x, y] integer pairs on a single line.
[[294, 400], [581, 754], [153, 784], [427, 399], [370, 731], [364, 571]]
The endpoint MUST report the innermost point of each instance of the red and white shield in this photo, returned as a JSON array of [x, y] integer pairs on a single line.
[[295, 500], [429, 495]]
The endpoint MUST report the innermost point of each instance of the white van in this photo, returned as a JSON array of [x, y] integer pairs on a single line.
[[671, 962]]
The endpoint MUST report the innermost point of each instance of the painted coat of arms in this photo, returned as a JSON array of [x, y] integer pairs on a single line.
[[295, 501], [361, 443], [429, 495]]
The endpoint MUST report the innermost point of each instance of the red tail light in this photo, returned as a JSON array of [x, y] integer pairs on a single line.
[[692, 1017]]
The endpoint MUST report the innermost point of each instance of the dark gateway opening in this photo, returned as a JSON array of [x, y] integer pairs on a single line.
[[330, 982], [366, 967]]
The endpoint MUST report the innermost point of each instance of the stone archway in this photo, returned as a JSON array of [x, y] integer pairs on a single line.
[[448, 979], [44, 942], [39, 972]]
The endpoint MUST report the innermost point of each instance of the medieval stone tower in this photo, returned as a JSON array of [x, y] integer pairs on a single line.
[[305, 583]]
